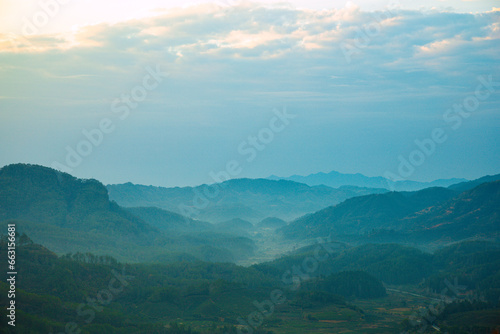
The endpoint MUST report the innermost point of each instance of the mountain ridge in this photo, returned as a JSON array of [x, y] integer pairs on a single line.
[[468, 185], [362, 214], [248, 199], [336, 179], [427, 215]]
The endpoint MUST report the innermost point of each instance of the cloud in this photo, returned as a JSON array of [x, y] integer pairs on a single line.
[[249, 49]]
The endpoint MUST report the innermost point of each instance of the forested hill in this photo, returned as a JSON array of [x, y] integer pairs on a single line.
[[362, 214], [474, 212], [46, 196], [427, 215], [463, 186], [169, 221], [67, 214]]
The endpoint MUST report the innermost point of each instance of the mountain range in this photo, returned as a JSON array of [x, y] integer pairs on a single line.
[[429, 215], [248, 199], [335, 180], [68, 214]]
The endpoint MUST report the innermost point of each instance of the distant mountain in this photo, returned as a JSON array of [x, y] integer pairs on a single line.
[[463, 186], [248, 199], [68, 214], [335, 180], [362, 214]]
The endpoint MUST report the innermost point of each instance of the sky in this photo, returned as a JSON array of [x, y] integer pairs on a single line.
[[175, 93]]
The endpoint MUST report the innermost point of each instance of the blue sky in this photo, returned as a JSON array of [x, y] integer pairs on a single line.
[[363, 80]]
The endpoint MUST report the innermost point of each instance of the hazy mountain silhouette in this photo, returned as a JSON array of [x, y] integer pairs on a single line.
[[335, 180], [248, 199]]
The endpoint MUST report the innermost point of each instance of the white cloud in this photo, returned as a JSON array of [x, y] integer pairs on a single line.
[[296, 46]]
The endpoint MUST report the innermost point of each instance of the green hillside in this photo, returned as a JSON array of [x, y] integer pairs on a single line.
[[67, 214], [362, 214]]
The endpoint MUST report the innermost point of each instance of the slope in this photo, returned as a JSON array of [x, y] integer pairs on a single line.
[[474, 213], [363, 214], [169, 221], [67, 214], [463, 186]]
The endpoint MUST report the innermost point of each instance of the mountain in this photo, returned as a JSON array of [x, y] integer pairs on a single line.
[[360, 215], [169, 221], [248, 199], [335, 179], [463, 186], [427, 216], [67, 214], [47, 197], [474, 213]]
